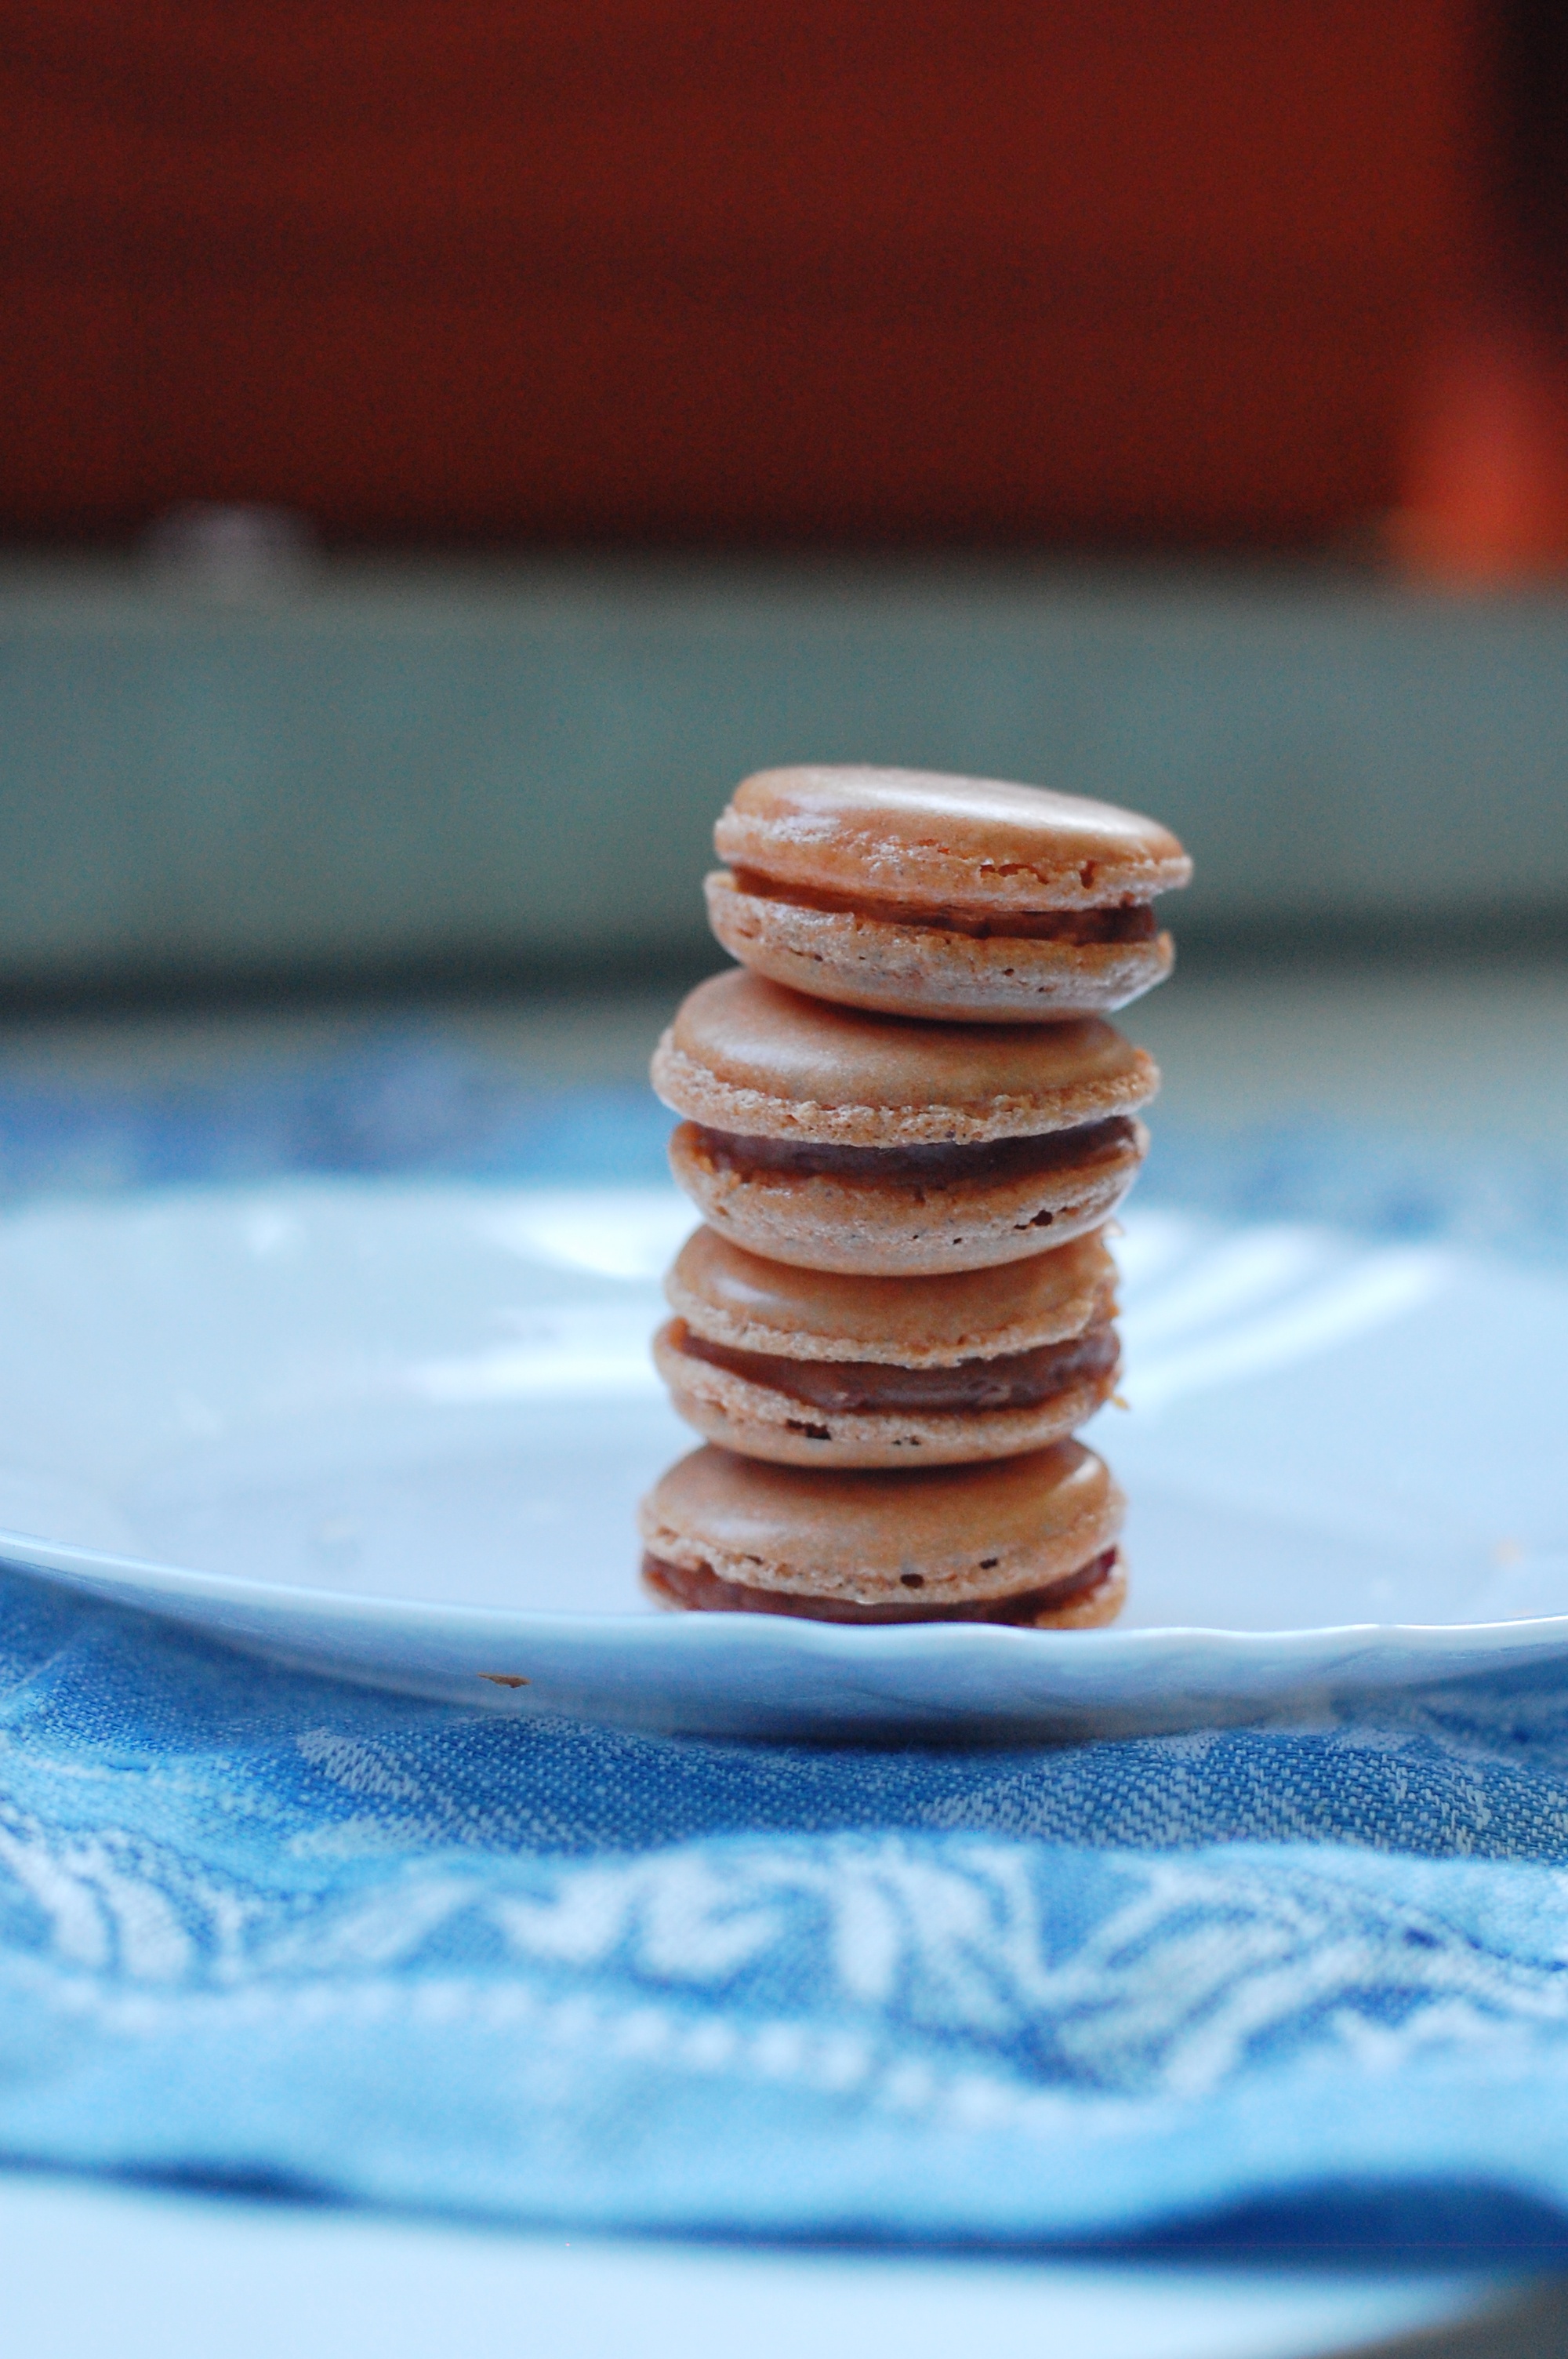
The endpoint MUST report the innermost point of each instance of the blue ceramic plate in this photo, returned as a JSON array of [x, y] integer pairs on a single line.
[[398, 1434]]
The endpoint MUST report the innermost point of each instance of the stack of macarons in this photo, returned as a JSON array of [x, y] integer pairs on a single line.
[[905, 1123]]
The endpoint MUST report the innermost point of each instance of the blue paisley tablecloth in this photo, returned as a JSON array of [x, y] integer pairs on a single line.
[[1303, 1986]]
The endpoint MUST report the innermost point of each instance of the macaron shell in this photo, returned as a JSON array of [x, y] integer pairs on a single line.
[[746, 1056], [1093, 1609], [885, 1228], [759, 1422], [944, 1535], [863, 961], [739, 1300], [918, 835]]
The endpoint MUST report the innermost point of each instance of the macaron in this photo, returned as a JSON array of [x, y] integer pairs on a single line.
[[838, 1140], [810, 1368], [1031, 1541], [963, 899]]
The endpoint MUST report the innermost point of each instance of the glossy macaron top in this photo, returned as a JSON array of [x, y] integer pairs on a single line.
[[736, 1298], [943, 1532], [745, 1055], [920, 838]]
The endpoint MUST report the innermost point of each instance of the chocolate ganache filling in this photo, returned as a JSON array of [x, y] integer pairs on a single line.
[[1131, 921], [701, 1591], [931, 1166], [1012, 1380]]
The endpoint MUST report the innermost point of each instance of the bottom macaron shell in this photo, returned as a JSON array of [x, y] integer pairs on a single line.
[[905, 1228], [759, 1422], [922, 971], [1092, 1606]]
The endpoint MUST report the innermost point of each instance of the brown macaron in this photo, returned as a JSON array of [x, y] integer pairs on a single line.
[[968, 900], [836, 1140], [1031, 1541], [812, 1368]]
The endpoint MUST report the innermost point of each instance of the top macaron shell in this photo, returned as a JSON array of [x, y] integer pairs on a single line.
[[747, 1057], [911, 837], [955, 1533], [740, 1300]]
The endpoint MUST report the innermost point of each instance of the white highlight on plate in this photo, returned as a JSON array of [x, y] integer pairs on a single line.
[[575, 1351], [267, 1230], [1216, 1279], [1147, 1242], [627, 1233], [1245, 1305]]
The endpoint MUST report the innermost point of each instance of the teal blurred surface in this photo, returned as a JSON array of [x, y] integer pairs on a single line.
[[358, 767]]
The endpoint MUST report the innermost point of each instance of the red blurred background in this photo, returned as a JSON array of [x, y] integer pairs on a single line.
[[839, 270]]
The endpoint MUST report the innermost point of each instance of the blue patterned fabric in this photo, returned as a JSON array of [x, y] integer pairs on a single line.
[[1299, 1985]]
